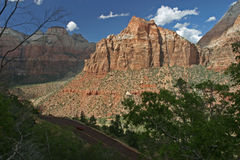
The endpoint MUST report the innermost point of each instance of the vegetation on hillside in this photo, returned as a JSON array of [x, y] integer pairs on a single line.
[[24, 136], [196, 121], [197, 118], [99, 94], [37, 93]]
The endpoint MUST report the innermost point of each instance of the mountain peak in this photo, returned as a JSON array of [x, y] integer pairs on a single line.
[[226, 22], [57, 30], [138, 20], [137, 24], [139, 46]]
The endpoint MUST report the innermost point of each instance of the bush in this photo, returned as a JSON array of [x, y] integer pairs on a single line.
[[92, 121], [24, 136], [116, 127]]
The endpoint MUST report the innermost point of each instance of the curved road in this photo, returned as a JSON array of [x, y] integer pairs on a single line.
[[92, 136]]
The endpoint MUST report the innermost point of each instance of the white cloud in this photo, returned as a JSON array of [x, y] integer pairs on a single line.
[[149, 17], [193, 35], [38, 2], [210, 19], [111, 15], [166, 15], [14, 0], [233, 3], [180, 25], [71, 26]]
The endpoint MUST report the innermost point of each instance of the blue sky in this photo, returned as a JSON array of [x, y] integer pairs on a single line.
[[95, 19]]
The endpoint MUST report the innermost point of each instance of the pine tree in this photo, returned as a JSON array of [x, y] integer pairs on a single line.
[[92, 121], [83, 117]]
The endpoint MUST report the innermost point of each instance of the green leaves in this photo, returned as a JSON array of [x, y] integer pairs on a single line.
[[199, 121], [83, 117], [92, 121], [236, 49], [116, 127], [194, 123], [234, 69]]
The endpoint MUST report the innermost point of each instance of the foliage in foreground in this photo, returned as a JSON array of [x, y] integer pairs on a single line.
[[187, 124], [24, 136], [201, 121]]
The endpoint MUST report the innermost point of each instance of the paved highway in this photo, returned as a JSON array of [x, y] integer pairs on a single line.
[[93, 136]]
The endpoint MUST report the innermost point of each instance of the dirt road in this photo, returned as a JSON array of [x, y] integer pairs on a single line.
[[92, 136]]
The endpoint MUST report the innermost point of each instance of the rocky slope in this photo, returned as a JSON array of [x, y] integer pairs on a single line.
[[143, 57], [45, 56], [224, 24], [142, 44], [101, 94], [215, 46]]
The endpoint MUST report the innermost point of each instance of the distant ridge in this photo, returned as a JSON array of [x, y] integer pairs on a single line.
[[226, 22], [45, 56], [216, 45]]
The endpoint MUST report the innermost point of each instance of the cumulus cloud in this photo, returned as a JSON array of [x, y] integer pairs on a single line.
[[71, 26], [38, 2], [180, 25], [166, 15], [210, 19], [193, 35], [111, 15]]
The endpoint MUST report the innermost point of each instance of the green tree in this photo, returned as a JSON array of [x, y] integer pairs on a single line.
[[16, 122], [188, 125], [24, 137], [83, 117], [234, 72], [196, 122], [234, 69], [92, 121], [116, 126], [132, 138]]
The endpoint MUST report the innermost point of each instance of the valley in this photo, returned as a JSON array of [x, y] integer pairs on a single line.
[[147, 92]]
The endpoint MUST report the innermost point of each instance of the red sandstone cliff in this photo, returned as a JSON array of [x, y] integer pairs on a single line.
[[45, 56], [131, 62], [134, 61], [142, 44]]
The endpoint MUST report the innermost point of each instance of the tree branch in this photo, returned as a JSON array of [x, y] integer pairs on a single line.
[[55, 16], [17, 146], [4, 7], [9, 17]]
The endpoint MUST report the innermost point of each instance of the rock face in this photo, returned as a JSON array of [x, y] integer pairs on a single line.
[[143, 57], [141, 45], [215, 46], [139, 59], [226, 22], [45, 56], [136, 60]]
